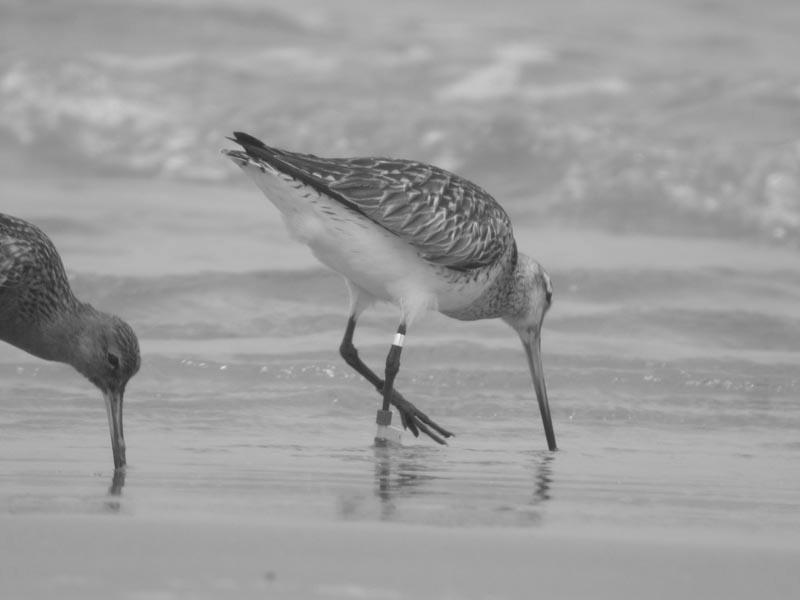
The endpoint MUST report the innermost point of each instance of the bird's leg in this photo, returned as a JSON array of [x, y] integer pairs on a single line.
[[413, 418], [351, 357], [393, 364]]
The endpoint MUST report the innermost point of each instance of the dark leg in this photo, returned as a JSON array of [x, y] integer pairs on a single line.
[[413, 418], [393, 364], [350, 356]]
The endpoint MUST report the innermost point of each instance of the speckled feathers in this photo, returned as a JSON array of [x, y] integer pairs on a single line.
[[33, 284], [40, 314], [449, 220]]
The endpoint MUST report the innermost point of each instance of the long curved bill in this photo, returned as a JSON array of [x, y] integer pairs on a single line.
[[114, 410], [533, 350]]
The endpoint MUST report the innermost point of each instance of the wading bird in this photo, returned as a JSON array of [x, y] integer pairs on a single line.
[[411, 234], [40, 314]]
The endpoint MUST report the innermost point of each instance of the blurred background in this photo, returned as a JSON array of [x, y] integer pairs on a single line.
[[647, 151], [649, 116]]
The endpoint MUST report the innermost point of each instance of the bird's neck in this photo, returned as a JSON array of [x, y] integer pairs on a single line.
[[63, 339], [493, 302], [515, 289]]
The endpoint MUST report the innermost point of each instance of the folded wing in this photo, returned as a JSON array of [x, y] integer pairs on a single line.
[[449, 220]]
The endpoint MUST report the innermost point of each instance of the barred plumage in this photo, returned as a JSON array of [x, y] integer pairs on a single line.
[[33, 283], [448, 219]]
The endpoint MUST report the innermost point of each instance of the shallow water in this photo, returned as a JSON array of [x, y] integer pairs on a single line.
[[670, 411], [648, 154]]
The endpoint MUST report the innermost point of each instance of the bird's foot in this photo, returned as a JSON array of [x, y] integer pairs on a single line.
[[416, 420], [386, 435]]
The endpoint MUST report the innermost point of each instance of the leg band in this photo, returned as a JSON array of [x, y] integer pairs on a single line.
[[384, 418]]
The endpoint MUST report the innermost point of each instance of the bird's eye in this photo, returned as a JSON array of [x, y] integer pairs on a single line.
[[113, 360]]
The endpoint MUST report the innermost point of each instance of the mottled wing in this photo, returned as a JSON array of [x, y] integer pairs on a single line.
[[448, 219], [15, 252], [29, 265]]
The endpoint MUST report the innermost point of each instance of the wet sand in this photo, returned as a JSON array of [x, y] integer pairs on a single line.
[[164, 558], [249, 496]]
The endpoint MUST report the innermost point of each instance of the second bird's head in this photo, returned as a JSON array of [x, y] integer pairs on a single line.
[[107, 354]]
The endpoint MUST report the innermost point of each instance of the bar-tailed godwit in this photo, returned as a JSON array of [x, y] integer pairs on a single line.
[[40, 314], [414, 235]]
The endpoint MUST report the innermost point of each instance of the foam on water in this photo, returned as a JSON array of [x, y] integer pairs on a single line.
[[655, 134]]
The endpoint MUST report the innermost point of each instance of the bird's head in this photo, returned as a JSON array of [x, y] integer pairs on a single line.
[[107, 354], [531, 297]]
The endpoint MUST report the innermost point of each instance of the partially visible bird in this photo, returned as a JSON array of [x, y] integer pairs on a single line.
[[411, 234], [40, 314]]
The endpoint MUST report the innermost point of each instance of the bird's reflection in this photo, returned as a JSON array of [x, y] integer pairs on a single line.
[[403, 472], [542, 477], [398, 472]]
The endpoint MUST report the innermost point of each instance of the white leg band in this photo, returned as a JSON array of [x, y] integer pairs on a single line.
[[399, 338]]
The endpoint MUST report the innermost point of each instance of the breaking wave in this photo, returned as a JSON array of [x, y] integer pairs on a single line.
[[542, 125]]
